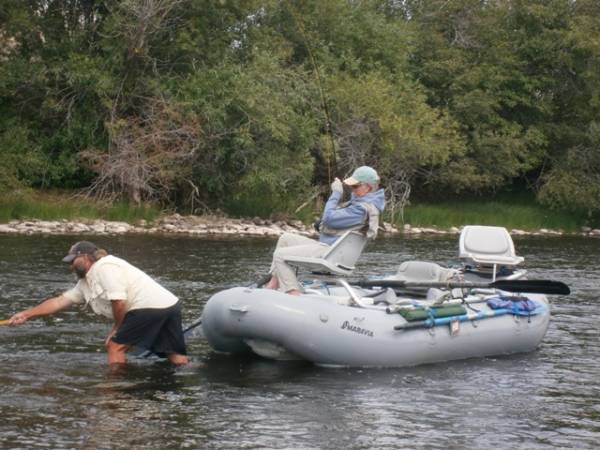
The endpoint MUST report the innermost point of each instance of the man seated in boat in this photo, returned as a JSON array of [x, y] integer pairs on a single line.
[[361, 213]]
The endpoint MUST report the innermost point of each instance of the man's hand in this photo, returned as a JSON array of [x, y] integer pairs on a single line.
[[113, 331], [18, 318], [337, 186]]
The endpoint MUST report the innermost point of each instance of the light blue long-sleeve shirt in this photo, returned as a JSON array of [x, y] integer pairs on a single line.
[[349, 216]]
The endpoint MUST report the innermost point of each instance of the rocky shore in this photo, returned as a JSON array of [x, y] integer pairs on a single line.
[[220, 226], [172, 224]]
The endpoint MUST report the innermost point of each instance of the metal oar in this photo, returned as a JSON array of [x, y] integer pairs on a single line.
[[523, 286], [192, 325], [431, 322]]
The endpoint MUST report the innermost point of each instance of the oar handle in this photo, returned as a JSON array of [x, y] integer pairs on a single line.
[[4, 322]]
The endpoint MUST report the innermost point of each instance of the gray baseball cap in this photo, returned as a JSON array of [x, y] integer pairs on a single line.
[[80, 248]]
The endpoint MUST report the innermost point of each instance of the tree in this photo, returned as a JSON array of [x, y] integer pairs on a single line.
[[476, 58], [256, 105], [51, 84], [389, 125], [369, 110], [575, 184]]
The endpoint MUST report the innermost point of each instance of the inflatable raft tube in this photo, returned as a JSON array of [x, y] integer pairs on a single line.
[[318, 329]]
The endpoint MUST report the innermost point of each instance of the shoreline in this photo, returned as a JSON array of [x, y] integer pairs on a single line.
[[216, 226]]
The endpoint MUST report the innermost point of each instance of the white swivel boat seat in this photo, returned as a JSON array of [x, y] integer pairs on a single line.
[[487, 248], [340, 259]]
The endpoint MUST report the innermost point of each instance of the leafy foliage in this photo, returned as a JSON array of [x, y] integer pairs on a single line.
[[253, 106], [22, 161], [575, 183]]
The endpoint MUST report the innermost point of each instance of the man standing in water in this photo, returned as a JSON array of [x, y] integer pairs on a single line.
[[145, 314]]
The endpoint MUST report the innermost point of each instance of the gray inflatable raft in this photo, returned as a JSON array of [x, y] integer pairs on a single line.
[[334, 330]]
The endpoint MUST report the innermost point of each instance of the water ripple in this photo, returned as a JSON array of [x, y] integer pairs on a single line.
[[59, 393]]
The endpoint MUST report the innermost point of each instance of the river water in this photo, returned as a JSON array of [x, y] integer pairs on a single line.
[[57, 391]]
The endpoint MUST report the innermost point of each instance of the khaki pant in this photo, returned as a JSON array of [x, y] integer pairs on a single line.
[[290, 244]]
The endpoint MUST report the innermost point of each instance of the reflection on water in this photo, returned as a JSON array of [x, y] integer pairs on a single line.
[[57, 391]]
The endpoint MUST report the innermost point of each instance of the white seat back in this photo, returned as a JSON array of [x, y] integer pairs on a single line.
[[346, 250], [485, 245], [340, 259]]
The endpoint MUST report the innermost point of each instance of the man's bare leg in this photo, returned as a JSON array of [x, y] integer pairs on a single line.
[[177, 359], [116, 352]]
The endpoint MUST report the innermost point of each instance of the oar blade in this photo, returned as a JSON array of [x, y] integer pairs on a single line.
[[550, 287]]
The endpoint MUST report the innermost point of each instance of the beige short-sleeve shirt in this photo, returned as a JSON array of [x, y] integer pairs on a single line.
[[113, 278]]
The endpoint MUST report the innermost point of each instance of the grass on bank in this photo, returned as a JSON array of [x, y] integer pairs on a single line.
[[25, 205], [528, 217]]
